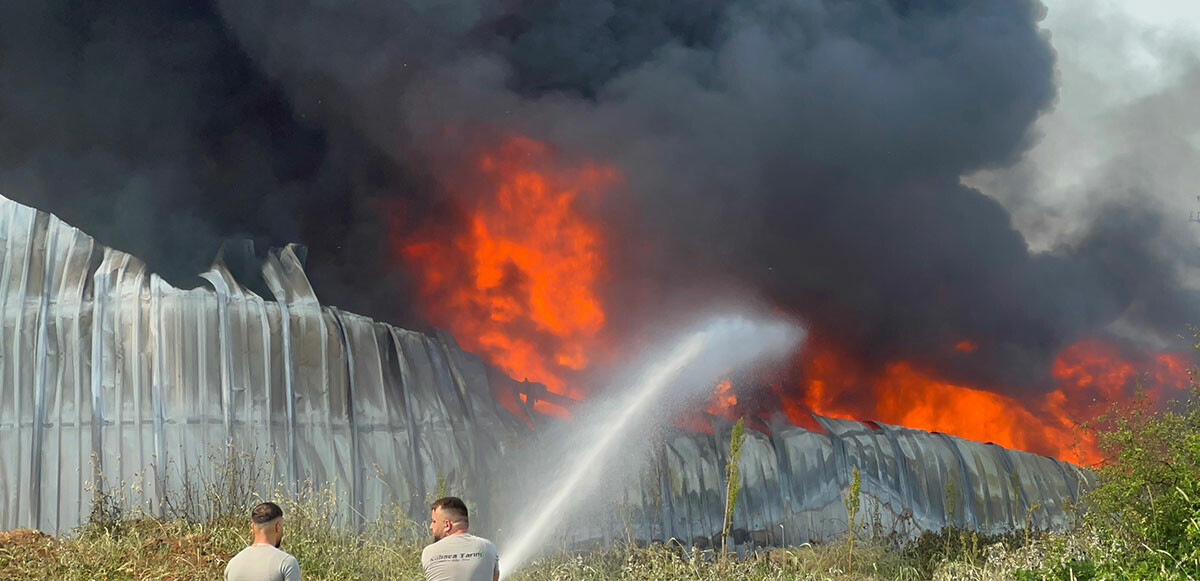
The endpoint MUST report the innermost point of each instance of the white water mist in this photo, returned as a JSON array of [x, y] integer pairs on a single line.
[[673, 380]]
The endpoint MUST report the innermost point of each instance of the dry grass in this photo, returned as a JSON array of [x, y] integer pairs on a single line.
[[192, 545], [145, 549]]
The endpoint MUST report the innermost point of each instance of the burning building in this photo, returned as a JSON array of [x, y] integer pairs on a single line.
[[552, 183], [118, 382]]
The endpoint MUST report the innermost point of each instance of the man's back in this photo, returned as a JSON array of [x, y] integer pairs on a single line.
[[461, 557], [262, 563]]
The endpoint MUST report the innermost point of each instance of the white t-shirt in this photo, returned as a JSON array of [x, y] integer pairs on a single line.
[[262, 563], [461, 557]]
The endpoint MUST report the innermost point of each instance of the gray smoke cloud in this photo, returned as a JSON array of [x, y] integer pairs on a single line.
[[807, 151], [1120, 158]]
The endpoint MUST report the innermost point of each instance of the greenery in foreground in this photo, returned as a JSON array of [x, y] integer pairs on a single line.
[[1142, 522], [155, 549], [1145, 515]]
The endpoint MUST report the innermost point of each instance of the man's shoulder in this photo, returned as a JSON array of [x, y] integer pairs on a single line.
[[432, 549], [240, 556], [484, 545], [289, 566], [258, 552], [280, 554], [476, 540], [456, 543]]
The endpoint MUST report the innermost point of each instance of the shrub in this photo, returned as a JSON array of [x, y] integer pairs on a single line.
[[737, 437], [1148, 498], [1145, 511]]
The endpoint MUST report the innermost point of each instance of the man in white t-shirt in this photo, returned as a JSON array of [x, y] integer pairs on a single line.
[[455, 554], [263, 561]]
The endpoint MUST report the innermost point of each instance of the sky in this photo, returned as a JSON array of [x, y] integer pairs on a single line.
[[1114, 57], [1129, 75]]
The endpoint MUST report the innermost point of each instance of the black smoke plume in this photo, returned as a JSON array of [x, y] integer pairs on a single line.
[[807, 151]]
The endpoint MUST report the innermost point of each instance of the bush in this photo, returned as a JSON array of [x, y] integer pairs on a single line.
[[1145, 511], [1148, 499]]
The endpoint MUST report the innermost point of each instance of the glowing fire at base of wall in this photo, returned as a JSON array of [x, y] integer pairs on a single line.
[[1089, 377]]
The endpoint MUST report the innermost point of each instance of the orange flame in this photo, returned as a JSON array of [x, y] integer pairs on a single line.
[[723, 401], [1090, 376], [518, 284]]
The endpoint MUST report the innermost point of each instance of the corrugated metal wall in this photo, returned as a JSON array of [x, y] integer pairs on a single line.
[[106, 368], [793, 481], [102, 359]]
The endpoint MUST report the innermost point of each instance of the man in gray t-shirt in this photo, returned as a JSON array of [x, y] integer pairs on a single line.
[[263, 561], [455, 554]]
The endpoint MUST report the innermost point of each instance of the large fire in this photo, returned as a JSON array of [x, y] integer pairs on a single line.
[[518, 284], [1089, 376]]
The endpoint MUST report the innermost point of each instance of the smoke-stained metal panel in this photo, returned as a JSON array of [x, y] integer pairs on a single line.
[[793, 485]]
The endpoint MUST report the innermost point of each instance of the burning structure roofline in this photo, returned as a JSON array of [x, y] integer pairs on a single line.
[[112, 378]]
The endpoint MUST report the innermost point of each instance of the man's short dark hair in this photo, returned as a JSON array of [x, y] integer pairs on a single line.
[[453, 507], [265, 513]]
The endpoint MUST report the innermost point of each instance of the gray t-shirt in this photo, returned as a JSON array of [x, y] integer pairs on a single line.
[[461, 557], [262, 563]]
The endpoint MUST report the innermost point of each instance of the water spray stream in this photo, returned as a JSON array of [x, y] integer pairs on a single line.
[[744, 340]]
